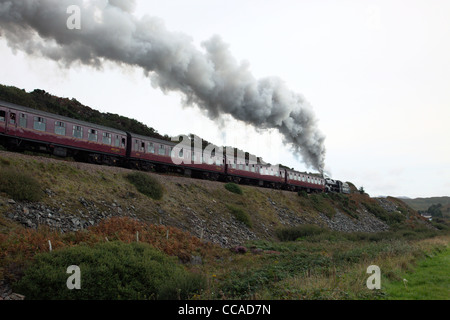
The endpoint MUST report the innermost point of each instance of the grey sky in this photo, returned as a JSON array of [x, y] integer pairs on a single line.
[[376, 73]]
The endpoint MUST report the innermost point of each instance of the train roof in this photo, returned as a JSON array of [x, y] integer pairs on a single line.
[[305, 173], [147, 138], [64, 118]]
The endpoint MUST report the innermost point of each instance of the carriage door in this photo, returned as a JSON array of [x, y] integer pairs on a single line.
[[11, 120], [2, 120]]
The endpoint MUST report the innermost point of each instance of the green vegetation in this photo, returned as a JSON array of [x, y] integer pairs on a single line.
[[146, 184], [112, 270], [380, 213], [435, 210], [19, 185], [303, 262], [429, 279], [317, 270], [240, 215], [294, 233], [233, 187]]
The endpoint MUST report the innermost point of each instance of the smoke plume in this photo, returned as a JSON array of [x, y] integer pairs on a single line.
[[209, 77]]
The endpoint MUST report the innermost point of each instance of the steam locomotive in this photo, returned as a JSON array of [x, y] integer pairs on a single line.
[[23, 128]]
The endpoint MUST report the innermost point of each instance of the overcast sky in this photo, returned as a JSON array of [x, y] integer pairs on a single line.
[[377, 74]]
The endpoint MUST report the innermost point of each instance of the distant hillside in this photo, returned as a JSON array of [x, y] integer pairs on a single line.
[[423, 204]]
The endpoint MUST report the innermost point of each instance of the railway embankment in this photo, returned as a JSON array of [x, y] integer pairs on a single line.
[[75, 196]]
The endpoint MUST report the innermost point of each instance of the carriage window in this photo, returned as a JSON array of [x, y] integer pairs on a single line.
[[23, 120], [252, 168], [117, 142], [107, 138], [78, 132], [181, 153], [2, 115], [162, 150], [142, 146], [123, 143], [60, 128], [12, 118], [39, 124], [151, 147], [92, 135], [193, 156]]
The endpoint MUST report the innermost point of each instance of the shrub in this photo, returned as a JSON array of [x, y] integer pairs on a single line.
[[293, 233], [240, 215], [232, 187], [19, 185], [109, 271], [303, 194], [146, 184]]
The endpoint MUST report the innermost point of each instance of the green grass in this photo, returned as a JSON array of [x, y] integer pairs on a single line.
[[232, 187], [19, 185], [240, 215], [429, 281], [146, 184]]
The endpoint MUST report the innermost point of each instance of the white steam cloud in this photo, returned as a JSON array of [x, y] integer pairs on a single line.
[[210, 78]]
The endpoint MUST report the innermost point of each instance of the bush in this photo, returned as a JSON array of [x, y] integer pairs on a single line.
[[109, 271], [293, 233], [303, 194], [19, 185], [240, 215], [232, 187], [146, 184]]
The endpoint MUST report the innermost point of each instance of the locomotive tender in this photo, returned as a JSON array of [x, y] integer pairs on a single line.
[[23, 128]]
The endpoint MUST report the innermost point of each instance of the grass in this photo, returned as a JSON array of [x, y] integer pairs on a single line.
[[240, 215], [232, 187], [146, 184], [19, 185], [429, 280]]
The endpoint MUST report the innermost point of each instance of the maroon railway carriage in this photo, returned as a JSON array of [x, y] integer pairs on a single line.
[[26, 128], [242, 171], [301, 181], [163, 156]]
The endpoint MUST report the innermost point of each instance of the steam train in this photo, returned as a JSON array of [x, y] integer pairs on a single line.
[[23, 128]]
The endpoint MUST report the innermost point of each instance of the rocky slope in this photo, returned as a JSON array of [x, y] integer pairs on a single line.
[[79, 195]]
